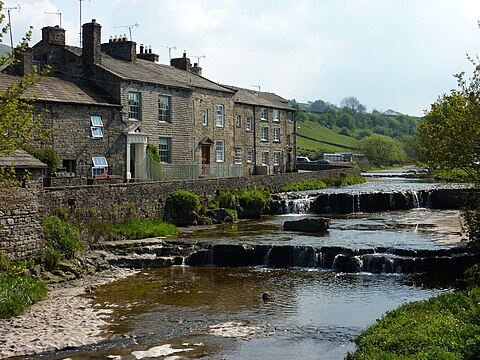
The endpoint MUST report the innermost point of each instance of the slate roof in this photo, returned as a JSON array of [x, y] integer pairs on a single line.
[[153, 73], [258, 98], [21, 160], [53, 89]]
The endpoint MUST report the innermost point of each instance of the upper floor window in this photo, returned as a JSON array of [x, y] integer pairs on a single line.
[[165, 150], [290, 116], [238, 120], [220, 115], [96, 127], [276, 134], [276, 115], [249, 124], [263, 114], [134, 105], [205, 117], [220, 150], [264, 135], [164, 113]]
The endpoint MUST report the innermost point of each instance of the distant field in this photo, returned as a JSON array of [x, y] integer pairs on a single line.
[[313, 130]]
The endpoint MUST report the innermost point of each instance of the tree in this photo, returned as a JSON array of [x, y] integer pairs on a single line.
[[317, 106], [352, 105], [18, 125], [382, 150]]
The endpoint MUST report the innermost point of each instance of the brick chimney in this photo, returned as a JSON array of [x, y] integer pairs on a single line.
[[91, 42], [53, 35], [147, 54], [24, 66], [122, 49], [182, 63]]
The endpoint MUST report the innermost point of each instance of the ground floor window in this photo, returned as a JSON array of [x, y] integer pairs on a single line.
[[249, 156], [220, 146], [165, 150], [100, 166], [238, 156], [265, 158], [277, 158]]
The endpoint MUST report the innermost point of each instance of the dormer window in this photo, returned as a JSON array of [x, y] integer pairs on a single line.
[[96, 127]]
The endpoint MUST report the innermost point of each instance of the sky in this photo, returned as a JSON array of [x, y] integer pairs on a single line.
[[389, 54]]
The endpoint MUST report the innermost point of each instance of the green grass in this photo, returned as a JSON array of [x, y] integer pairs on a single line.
[[443, 327], [131, 229], [324, 183]]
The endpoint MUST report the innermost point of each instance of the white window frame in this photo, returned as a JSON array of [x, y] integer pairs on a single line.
[[264, 134], [99, 165], [134, 105], [205, 117], [265, 157], [220, 115], [276, 115], [238, 156], [165, 149], [276, 134], [164, 113], [220, 151], [250, 156], [96, 127], [277, 158], [249, 123], [238, 120], [264, 114]]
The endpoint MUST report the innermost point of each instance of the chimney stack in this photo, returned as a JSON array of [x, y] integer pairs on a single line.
[[24, 66], [147, 54], [53, 35], [91, 42], [182, 63], [196, 69]]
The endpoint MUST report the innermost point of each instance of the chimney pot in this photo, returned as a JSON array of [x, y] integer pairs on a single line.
[[184, 54], [141, 48], [94, 21]]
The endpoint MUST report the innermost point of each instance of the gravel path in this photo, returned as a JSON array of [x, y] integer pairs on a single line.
[[63, 319]]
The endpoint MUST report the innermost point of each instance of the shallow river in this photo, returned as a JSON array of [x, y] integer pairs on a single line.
[[218, 313]]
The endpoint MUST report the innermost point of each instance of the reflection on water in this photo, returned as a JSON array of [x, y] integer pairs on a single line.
[[219, 313]]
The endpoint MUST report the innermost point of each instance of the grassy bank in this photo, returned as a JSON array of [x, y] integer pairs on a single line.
[[444, 327], [324, 183]]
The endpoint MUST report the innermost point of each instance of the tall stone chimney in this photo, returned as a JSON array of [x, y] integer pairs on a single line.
[[182, 63], [91, 42], [24, 66], [53, 35]]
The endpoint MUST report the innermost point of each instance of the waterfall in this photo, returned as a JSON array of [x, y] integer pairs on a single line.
[[293, 205], [266, 259], [415, 200]]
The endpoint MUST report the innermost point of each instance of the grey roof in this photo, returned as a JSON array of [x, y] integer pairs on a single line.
[[153, 73], [21, 160], [53, 89], [258, 98]]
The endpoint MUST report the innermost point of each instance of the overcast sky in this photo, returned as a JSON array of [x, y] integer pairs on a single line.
[[390, 54]]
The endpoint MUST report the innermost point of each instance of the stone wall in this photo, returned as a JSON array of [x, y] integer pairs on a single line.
[[21, 218], [117, 201]]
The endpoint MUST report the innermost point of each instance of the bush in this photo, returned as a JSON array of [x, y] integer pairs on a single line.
[[62, 236], [48, 156], [18, 292], [181, 206], [342, 180], [52, 258]]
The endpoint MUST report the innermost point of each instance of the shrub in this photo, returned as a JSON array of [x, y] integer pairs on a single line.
[[52, 258], [180, 207], [62, 236], [48, 156], [232, 213]]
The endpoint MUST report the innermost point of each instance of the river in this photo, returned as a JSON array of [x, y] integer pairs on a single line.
[[210, 312]]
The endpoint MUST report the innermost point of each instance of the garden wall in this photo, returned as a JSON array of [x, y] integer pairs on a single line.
[[115, 202]]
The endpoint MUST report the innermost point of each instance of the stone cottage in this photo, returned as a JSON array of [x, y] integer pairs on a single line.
[[200, 128]]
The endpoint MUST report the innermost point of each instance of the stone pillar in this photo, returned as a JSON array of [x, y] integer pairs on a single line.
[[129, 174]]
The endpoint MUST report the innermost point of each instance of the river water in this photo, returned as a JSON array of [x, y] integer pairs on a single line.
[[218, 313]]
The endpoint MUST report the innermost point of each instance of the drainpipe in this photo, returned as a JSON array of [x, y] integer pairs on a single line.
[[254, 142]]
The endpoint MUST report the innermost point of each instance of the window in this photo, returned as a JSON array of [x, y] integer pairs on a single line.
[[220, 113], [165, 150], [96, 127], [288, 139], [276, 115], [277, 157], [249, 125], [164, 113], [238, 120], [290, 116], [276, 134], [249, 156], [238, 156], [265, 158], [100, 165], [264, 134], [264, 114], [205, 117], [134, 105], [220, 150]]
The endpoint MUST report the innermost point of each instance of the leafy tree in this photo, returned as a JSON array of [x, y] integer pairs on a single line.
[[18, 125], [318, 106], [352, 105], [382, 150]]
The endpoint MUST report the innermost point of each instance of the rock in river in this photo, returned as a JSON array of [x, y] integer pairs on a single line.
[[307, 225]]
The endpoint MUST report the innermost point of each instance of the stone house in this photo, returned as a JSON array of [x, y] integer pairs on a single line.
[[196, 124]]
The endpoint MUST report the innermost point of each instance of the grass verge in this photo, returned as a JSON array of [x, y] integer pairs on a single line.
[[324, 183]]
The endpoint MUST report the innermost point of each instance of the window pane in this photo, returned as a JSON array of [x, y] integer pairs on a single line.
[[249, 125], [220, 151], [238, 156], [164, 150], [96, 121], [205, 116], [250, 156], [276, 115], [99, 161], [264, 158], [276, 158], [220, 114], [164, 108], [97, 132], [134, 105]]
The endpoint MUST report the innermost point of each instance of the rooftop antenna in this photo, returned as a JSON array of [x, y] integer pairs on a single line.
[[170, 48], [198, 58], [129, 27], [58, 13], [80, 8], [10, 22], [257, 86]]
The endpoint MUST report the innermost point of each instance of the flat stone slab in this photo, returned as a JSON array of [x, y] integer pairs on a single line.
[[307, 225]]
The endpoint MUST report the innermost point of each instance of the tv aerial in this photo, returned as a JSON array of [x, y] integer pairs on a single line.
[[58, 13], [129, 27]]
